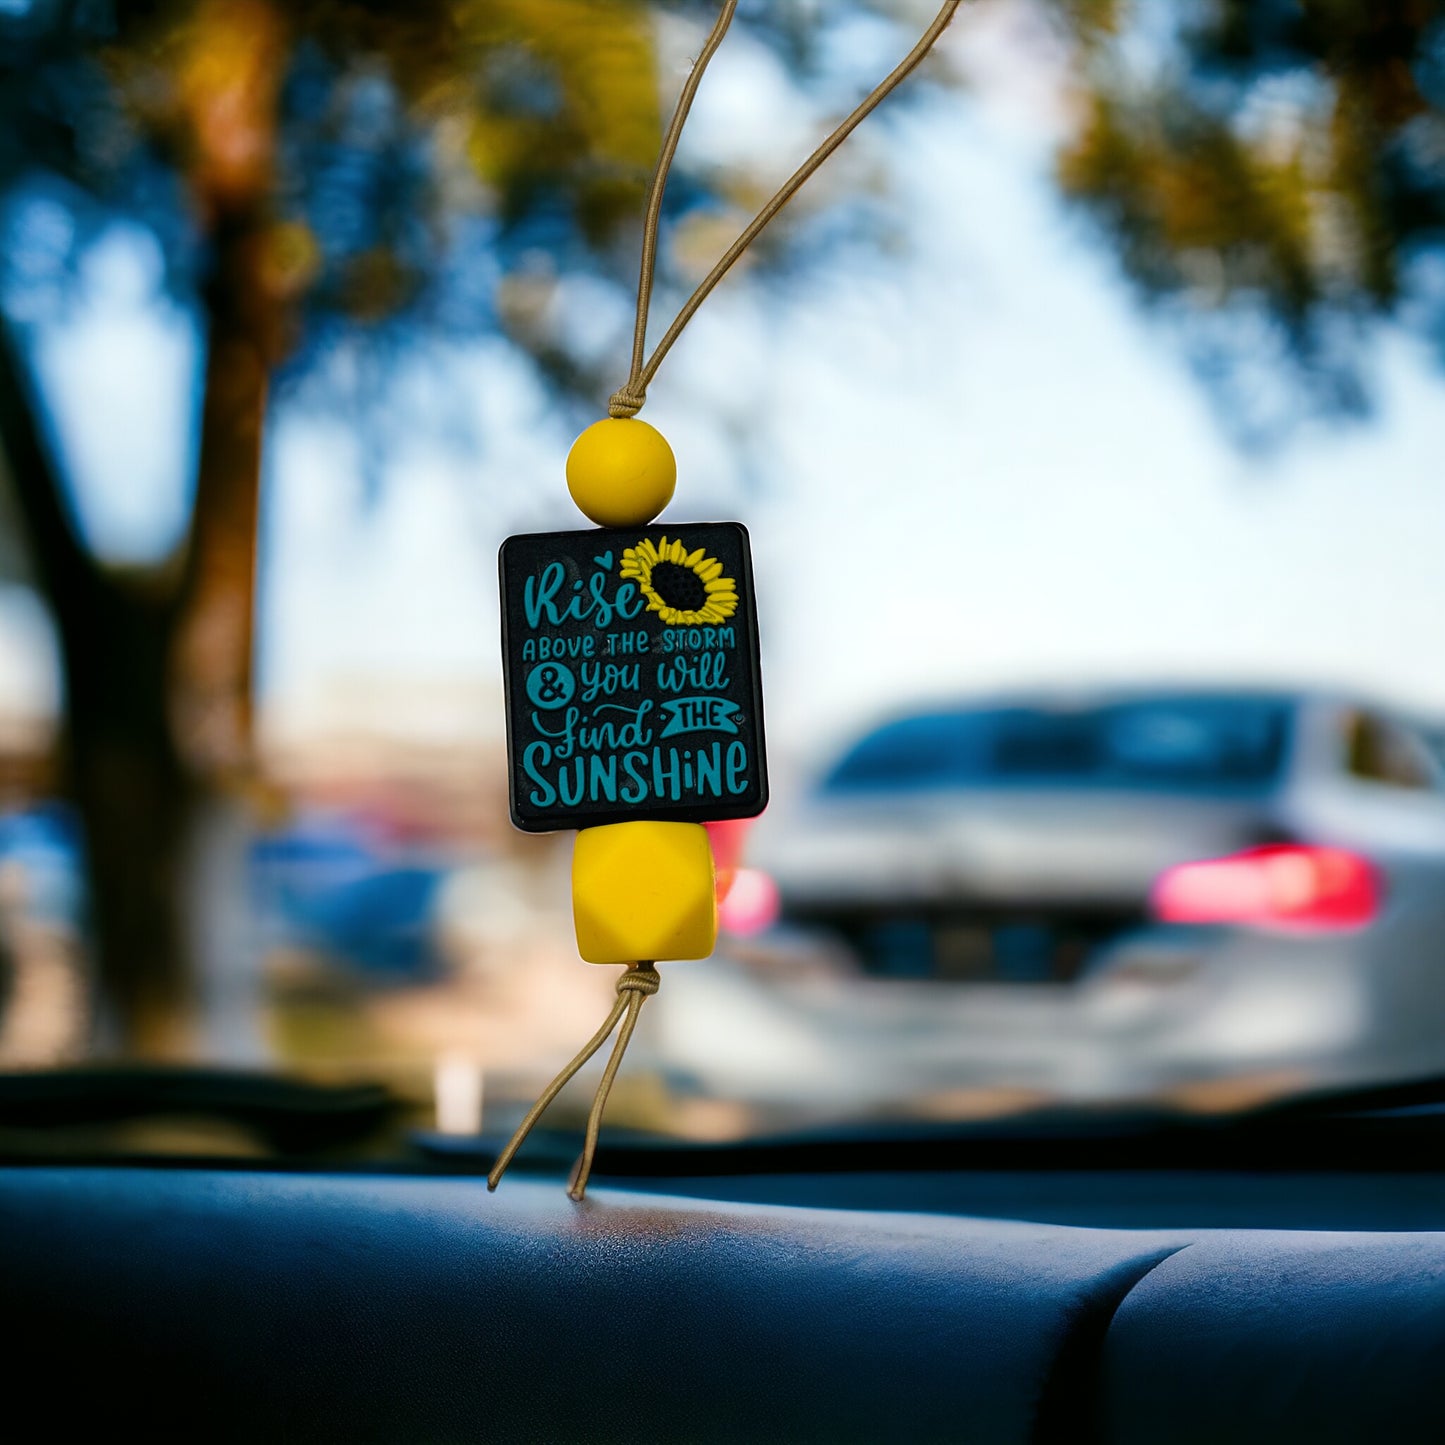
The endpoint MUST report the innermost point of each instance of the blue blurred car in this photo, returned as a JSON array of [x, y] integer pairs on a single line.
[[322, 885], [44, 842]]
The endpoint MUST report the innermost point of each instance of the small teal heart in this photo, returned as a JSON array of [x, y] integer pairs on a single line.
[[604, 561]]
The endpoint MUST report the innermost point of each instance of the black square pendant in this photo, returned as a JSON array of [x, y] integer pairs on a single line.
[[630, 659]]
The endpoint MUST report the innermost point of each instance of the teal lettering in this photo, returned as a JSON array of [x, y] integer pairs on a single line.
[[709, 771], [632, 733], [628, 605], [534, 756], [602, 781], [540, 601], [698, 639], [707, 673], [537, 595], [609, 678], [565, 741], [569, 798], [737, 762], [666, 782], [630, 764]]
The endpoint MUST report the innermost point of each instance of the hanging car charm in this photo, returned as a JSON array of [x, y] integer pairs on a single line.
[[634, 714], [631, 665], [630, 655]]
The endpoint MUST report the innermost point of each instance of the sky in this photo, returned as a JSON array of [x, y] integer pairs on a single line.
[[969, 462]]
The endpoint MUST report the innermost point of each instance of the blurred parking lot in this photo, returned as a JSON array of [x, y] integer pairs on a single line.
[[1085, 418]]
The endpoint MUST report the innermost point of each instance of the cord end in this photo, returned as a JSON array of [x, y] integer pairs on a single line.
[[625, 403]]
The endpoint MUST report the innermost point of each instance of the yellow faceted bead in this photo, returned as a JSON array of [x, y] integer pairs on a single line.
[[643, 891], [621, 472]]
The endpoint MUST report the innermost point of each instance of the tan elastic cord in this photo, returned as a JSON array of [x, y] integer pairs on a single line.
[[634, 988], [628, 400]]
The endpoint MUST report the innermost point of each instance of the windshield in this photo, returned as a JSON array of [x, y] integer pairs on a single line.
[[1171, 742], [1084, 413]]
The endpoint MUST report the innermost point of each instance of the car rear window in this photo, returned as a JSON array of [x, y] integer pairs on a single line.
[[1175, 743]]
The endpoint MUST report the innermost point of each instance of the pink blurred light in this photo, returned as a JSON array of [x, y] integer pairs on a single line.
[[728, 837], [752, 903]]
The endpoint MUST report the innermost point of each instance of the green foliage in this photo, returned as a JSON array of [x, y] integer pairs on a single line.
[[357, 140], [1287, 155]]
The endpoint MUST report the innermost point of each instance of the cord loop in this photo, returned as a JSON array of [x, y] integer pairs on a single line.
[[639, 978], [626, 401]]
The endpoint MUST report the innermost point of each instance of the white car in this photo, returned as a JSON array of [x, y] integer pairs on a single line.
[[1203, 896]]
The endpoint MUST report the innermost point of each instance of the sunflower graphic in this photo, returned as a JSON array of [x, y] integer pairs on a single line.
[[687, 589]]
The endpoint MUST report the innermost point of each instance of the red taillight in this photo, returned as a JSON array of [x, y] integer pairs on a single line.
[[1283, 885]]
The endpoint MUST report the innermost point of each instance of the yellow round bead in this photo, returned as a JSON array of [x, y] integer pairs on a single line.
[[621, 472]]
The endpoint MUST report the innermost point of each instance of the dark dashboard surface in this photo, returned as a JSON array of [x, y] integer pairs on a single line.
[[1187, 1199], [237, 1305]]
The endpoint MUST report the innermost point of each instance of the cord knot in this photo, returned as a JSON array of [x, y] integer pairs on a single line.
[[626, 401], [638, 979]]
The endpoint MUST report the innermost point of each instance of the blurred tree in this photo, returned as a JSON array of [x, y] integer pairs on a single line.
[[1280, 161], [310, 164], [328, 178]]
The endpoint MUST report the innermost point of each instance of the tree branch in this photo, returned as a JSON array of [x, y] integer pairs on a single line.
[[65, 570]]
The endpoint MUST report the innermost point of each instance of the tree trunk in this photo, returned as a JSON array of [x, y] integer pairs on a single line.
[[158, 663], [211, 671], [119, 764], [136, 801], [157, 669], [212, 656]]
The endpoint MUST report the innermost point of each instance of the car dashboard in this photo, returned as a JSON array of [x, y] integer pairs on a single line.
[[271, 1305]]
